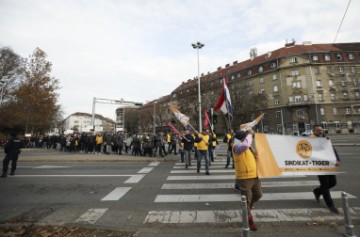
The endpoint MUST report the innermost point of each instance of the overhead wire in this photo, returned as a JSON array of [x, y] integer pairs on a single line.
[[342, 21]]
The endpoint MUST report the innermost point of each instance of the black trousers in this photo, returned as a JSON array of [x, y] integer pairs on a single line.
[[6, 162], [326, 183]]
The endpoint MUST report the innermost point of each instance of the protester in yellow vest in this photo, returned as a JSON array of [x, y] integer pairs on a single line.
[[202, 141], [245, 170], [98, 141]]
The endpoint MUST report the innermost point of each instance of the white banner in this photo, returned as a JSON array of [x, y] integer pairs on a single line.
[[289, 155]]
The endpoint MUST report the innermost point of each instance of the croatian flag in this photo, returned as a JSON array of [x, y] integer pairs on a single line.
[[224, 103]]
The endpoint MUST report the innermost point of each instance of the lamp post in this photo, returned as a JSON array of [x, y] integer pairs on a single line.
[[198, 46], [155, 101]]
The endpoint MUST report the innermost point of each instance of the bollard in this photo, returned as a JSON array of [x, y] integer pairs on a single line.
[[349, 228], [245, 220]]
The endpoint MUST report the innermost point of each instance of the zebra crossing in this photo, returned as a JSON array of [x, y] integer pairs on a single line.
[[186, 186]]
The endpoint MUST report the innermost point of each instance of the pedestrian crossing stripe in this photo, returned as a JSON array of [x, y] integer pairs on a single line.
[[91, 216], [193, 167], [193, 171], [145, 170], [231, 185], [217, 177], [116, 194], [234, 216], [237, 197]]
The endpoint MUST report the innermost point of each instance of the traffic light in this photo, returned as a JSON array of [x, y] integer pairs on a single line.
[[214, 119]]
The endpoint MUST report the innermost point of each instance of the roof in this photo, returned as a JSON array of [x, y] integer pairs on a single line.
[[288, 50], [99, 116]]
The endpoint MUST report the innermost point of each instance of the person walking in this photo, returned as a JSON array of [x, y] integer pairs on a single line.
[[188, 141], [229, 140], [246, 171], [172, 144], [98, 143], [12, 150], [326, 181], [202, 149]]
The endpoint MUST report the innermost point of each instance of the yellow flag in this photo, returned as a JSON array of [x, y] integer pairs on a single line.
[[247, 126]]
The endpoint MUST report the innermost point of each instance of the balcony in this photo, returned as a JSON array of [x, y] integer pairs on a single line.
[[298, 103]]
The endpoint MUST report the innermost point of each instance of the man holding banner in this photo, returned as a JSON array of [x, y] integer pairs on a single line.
[[326, 181], [246, 170]]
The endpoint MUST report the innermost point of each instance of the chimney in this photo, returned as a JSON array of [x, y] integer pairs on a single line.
[[235, 62], [219, 68], [253, 53], [227, 65]]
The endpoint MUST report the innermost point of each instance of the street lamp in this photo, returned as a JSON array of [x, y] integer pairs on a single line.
[[198, 46], [155, 101]]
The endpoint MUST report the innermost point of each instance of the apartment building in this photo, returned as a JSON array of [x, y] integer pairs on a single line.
[[301, 85]]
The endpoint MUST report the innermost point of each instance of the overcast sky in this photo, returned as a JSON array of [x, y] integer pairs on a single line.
[[140, 50]]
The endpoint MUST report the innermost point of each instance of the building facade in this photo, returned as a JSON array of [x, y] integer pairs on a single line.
[[296, 86], [81, 122]]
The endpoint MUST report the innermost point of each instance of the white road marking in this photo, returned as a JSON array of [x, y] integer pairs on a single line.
[[234, 216], [50, 167], [194, 162], [134, 179], [145, 170], [237, 197], [231, 185], [154, 163], [193, 171], [116, 194], [75, 175], [193, 167], [91, 216], [201, 176]]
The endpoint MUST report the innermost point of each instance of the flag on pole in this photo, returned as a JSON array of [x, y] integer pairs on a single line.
[[181, 117], [224, 103], [207, 122], [172, 127], [247, 126]]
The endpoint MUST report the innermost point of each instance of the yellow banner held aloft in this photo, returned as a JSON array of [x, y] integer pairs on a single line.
[[247, 126]]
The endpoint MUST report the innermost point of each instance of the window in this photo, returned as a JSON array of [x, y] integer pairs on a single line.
[[232, 77], [338, 57], [343, 83], [294, 73], [355, 82], [324, 125], [305, 98], [357, 95], [278, 114], [275, 88], [341, 69], [307, 127], [297, 84], [298, 99], [249, 72], [346, 96], [300, 113], [315, 57], [293, 60], [290, 99], [318, 83], [321, 97], [279, 128], [266, 128], [351, 56], [76, 121], [331, 83], [266, 116], [251, 93], [274, 77], [347, 111], [261, 69], [337, 125], [322, 111], [295, 128], [238, 75], [262, 91], [353, 70], [261, 81], [335, 111], [276, 101], [332, 97], [327, 57], [273, 65]]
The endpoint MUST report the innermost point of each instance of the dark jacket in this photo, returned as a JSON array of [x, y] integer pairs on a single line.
[[188, 145], [13, 148]]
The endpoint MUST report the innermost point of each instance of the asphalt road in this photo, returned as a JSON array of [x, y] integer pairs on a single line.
[[164, 199]]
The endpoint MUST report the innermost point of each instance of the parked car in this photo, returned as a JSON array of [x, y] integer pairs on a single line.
[[306, 133]]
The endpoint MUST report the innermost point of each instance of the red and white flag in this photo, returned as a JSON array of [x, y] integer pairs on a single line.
[[224, 103]]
